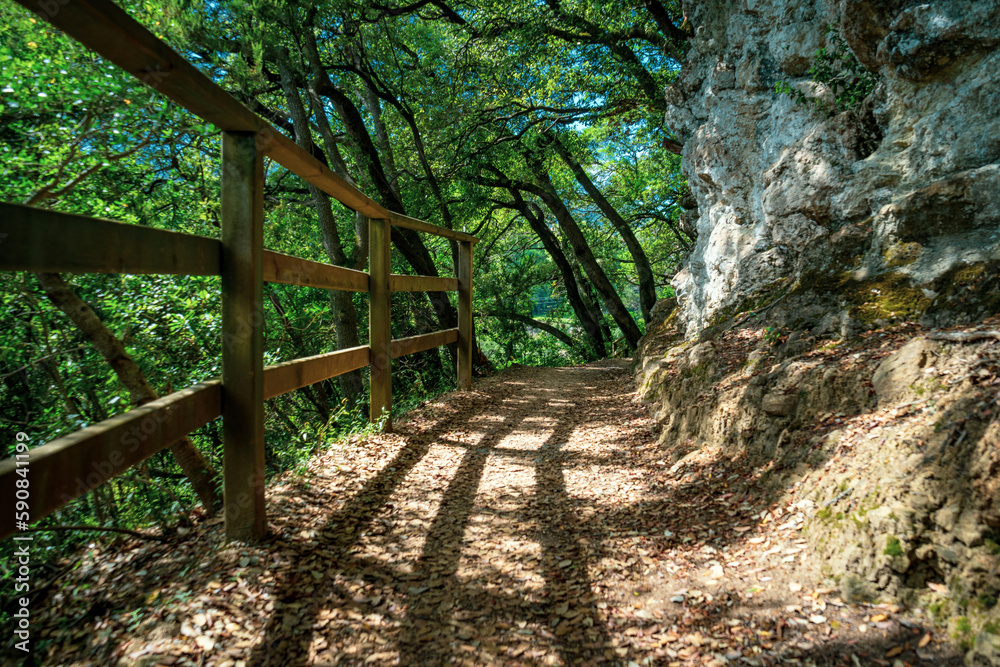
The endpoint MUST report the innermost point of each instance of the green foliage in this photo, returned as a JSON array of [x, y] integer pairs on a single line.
[[893, 547], [75, 127], [963, 632], [839, 70], [991, 539]]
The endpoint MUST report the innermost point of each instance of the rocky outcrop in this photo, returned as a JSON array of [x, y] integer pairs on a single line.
[[906, 175], [888, 444]]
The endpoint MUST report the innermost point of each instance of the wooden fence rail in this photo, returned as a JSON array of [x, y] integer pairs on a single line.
[[45, 241]]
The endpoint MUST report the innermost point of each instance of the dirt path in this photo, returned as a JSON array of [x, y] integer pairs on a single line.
[[532, 521]]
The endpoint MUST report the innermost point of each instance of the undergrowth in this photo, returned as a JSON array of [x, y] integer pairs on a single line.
[[838, 69]]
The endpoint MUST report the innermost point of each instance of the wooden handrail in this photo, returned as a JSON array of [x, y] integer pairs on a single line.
[[291, 375], [70, 466], [291, 270], [400, 347], [400, 220], [46, 241], [398, 283]]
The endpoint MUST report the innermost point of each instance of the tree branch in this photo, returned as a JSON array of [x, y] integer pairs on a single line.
[[524, 319]]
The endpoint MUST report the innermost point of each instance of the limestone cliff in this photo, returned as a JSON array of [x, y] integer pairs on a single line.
[[889, 199], [843, 159]]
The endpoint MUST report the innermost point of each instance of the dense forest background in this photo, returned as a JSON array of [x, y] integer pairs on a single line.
[[537, 126]]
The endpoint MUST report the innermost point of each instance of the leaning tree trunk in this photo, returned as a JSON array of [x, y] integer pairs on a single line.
[[591, 326], [590, 299], [196, 467], [407, 241], [647, 287], [557, 333], [346, 319], [581, 248]]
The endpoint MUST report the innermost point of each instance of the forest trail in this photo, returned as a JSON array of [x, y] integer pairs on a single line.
[[531, 521]]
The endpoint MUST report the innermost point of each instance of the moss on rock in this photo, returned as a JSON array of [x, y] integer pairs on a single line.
[[901, 254]]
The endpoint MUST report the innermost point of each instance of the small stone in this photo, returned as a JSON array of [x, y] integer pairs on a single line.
[[947, 554], [779, 405], [985, 651], [968, 529], [853, 588], [947, 516], [901, 370]]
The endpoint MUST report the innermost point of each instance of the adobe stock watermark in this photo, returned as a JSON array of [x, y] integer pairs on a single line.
[[21, 565], [245, 328]]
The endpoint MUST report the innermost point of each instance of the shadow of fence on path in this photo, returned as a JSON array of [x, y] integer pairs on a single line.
[[560, 616]]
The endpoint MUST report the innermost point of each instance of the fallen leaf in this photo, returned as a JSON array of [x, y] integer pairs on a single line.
[[937, 588]]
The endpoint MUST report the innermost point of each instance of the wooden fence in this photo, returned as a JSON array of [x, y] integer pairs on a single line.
[[45, 241]]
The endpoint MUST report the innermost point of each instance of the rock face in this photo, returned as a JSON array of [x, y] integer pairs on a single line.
[[898, 374], [888, 445], [902, 183]]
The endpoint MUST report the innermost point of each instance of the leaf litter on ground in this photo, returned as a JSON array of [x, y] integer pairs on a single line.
[[531, 521]]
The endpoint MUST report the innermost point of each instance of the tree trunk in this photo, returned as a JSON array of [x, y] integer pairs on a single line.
[[407, 241], [647, 286], [446, 218], [609, 297], [345, 315], [196, 467], [374, 108], [591, 326], [590, 300], [359, 254], [559, 334], [665, 23]]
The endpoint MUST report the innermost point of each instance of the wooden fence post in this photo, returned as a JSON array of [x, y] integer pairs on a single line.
[[379, 330], [465, 315], [242, 336]]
